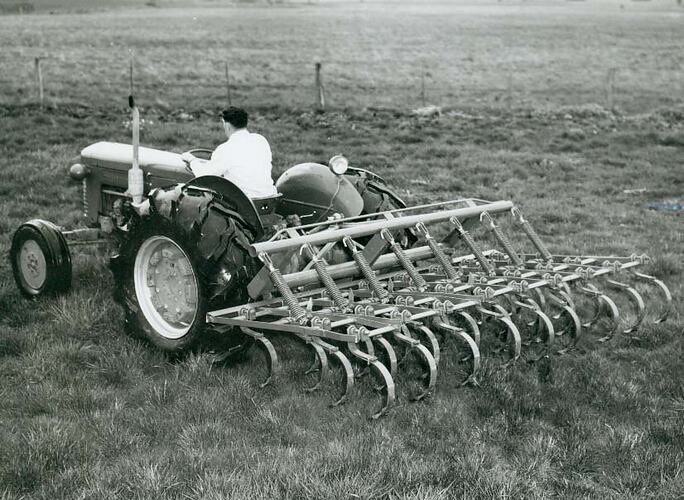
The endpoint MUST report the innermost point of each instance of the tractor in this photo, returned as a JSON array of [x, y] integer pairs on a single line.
[[337, 261]]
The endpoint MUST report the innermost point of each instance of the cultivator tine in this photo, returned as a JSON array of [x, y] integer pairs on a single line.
[[388, 354], [460, 334], [320, 365], [335, 353], [541, 322], [473, 327], [271, 356], [429, 379], [614, 315], [547, 325], [604, 305], [430, 341], [384, 374], [512, 333], [571, 328], [666, 293], [635, 299]]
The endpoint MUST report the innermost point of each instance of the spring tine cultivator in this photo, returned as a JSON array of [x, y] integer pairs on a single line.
[[387, 312]]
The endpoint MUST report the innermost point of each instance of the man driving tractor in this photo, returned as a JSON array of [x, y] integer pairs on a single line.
[[244, 159]]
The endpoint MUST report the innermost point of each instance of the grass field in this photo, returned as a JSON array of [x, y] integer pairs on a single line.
[[88, 412]]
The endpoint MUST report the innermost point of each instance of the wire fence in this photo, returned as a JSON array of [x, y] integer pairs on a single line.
[[340, 83]]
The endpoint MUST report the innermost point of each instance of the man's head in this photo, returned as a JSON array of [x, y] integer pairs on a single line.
[[234, 119]]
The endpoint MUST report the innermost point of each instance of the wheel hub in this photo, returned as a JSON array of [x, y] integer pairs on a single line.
[[32, 264], [166, 286]]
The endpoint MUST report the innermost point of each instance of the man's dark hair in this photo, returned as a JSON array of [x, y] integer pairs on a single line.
[[237, 117]]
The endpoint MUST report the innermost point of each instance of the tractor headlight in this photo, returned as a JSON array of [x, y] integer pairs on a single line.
[[78, 171], [338, 164]]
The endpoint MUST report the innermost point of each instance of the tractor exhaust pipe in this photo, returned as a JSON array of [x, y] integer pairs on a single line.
[[135, 174]]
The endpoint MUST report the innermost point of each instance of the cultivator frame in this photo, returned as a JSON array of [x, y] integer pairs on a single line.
[[381, 311]]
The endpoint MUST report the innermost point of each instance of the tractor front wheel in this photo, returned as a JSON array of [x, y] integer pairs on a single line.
[[41, 263]]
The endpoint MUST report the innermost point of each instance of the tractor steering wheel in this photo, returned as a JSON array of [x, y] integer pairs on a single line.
[[189, 156]]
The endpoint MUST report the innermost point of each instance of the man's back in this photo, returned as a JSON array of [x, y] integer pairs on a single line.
[[245, 159]]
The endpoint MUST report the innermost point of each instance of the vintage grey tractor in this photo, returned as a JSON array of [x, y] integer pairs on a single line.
[[335, 261]]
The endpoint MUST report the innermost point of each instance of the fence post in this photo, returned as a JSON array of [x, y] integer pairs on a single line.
[[39, 81], [509, 90], [610, 88], [320, 93], [422, 85], [228, 85]]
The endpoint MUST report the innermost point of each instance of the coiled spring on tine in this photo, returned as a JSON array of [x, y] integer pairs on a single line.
[[297, 312], [366, 269], [320, 265], [470, 243], [531, 234], [406, 263], [439, 254], [501, 237]]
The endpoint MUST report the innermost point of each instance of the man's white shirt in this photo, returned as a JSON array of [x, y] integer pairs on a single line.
[[244, 159]]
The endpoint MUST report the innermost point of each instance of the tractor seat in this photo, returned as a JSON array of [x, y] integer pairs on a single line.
[[267, 204]]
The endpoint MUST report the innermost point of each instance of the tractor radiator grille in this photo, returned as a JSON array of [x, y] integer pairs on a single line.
[[109, 194]]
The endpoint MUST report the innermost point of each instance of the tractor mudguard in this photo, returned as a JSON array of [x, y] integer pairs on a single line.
[[314, 193], [233, 198]]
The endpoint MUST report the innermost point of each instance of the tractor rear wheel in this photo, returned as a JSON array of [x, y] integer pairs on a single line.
[[168, 276]]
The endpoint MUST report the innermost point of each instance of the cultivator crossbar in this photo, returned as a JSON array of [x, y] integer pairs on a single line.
[[382, 312]]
